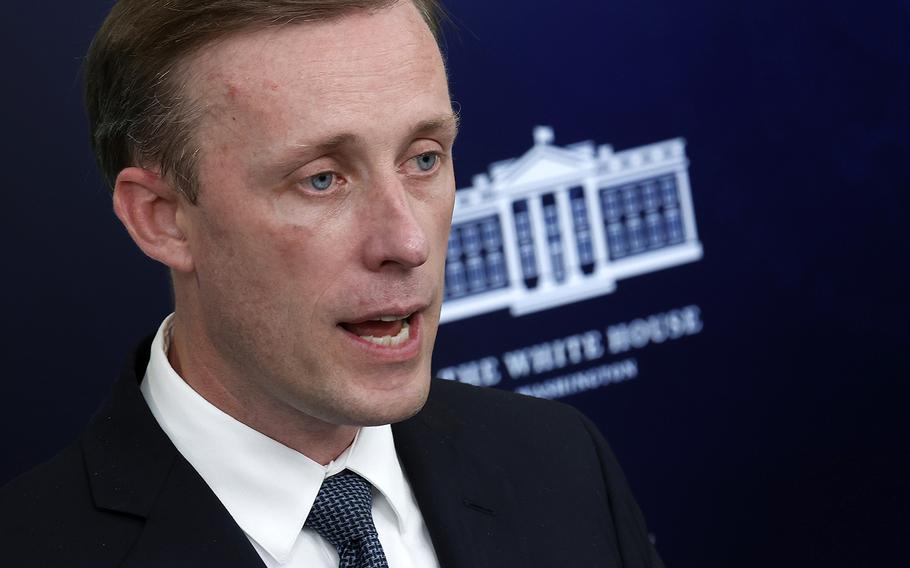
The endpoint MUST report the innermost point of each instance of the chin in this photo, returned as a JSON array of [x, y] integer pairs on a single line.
[[388, 406]]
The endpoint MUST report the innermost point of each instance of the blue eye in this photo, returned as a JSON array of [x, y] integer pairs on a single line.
[[427, 162], [323, 181]]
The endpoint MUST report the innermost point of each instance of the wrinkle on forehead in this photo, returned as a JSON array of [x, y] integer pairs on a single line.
[[249, 81]]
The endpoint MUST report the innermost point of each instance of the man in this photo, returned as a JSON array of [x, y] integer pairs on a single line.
[[290, 162]]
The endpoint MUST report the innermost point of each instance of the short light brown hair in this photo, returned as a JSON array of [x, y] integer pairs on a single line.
[[138, 108]]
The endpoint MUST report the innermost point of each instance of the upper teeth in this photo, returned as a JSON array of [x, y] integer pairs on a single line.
[[393, 318]]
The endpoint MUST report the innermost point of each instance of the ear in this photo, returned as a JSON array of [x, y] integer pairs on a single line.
[[149, 208]]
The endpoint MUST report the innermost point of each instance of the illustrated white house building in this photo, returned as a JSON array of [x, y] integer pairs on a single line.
[[563, 224]]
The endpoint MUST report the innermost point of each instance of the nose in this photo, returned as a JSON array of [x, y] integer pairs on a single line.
[[393, 233]]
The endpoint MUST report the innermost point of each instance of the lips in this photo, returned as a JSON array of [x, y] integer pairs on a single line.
[[386, 330]]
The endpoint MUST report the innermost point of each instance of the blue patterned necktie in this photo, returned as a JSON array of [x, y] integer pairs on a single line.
[[343, 515]]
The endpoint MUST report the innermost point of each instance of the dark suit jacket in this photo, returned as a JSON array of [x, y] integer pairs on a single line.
[[502, 480]]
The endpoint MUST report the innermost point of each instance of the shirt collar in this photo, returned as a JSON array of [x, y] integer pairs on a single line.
[[373, 457], [267, 487]]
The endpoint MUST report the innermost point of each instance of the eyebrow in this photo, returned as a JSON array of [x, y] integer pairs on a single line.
[[329, 145], [446, 123], [443, 123]]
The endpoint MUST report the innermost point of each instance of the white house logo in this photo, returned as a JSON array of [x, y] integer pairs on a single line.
[[563, 224]]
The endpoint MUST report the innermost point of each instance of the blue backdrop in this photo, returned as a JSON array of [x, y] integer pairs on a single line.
[[772, 432]]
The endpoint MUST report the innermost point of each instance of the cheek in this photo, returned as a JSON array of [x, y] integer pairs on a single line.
[[440, 214], [311, 242], [242, 258]]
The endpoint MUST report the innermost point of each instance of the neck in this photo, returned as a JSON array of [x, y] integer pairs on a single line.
[[318, 440]]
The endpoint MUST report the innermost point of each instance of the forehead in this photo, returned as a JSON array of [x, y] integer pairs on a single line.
[[361, 66]]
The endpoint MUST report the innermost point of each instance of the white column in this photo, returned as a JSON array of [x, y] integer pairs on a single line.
[[596, 218], [510, 245], [541, 245], [569, 238], [684, 195]]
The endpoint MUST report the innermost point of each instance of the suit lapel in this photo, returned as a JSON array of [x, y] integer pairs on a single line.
[[189, 526], [465, 500], [135, 470]]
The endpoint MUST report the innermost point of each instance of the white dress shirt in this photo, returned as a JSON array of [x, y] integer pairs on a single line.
[[269, 488]]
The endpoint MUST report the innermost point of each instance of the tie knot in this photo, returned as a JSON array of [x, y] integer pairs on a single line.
[[342, 512]]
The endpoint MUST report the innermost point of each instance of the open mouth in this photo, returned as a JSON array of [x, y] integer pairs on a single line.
[[383, 330]]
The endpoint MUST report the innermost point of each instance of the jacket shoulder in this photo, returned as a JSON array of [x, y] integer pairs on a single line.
[[48, 517], [492, 407], [550, 448], [532, 433]]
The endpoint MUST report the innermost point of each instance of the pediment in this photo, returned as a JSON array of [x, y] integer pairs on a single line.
[[540, 164]]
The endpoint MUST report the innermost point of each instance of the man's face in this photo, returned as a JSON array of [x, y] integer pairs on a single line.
[[325, 204]]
